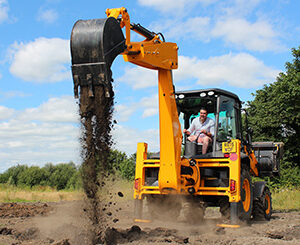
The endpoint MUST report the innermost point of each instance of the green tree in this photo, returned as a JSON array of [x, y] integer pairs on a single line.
[[127, 168], [75, 182], [12, 174], [61, 175], [274, 115], [115, 159], [32, 176]]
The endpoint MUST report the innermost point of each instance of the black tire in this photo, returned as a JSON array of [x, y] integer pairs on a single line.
[[246, 203], [193, 211], [225, 208], [262, 206], [164, 207]]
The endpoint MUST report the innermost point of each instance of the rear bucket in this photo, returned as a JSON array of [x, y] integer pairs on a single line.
[[94, 46]]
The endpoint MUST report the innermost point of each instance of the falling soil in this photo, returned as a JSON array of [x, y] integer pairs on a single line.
[[96, 125]]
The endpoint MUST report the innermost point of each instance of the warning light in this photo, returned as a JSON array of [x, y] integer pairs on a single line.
[[137, 184], [226, 155], [232, 185]]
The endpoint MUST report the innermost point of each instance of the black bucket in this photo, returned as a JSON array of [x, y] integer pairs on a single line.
[[94, 46], [192, 149]]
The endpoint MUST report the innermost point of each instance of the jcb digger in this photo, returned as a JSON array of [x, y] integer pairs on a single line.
[[179, 173]]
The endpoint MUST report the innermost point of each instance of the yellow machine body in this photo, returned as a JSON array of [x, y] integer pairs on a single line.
[[94, 45]]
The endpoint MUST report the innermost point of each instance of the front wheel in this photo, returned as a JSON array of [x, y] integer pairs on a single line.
[[246, 203], [262, 208]]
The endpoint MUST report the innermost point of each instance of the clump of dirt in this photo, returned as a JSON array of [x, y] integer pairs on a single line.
[[15, 210], [117, 236], [28, 234], [96, 124], [6, 231]]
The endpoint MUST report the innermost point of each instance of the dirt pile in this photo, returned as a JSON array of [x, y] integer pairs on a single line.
[[16, 210], [96, 125], [135, 233]]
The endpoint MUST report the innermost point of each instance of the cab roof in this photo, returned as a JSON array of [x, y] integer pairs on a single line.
[[217, 91]]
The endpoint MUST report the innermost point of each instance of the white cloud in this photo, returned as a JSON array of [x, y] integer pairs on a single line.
[[63, 109], [239, 7], [3, 10], [33, 137], [32, 143], [240, 70], [43, 60], [196, 27], [257, 36], [173, 6], [123, 112], [126, 138], [150, 105], [48, 16], [228, 20], [5, 112], [12, 94], [48, 133], [139, 77]]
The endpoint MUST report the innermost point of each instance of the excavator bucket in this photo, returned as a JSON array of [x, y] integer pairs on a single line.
[[94, 46]]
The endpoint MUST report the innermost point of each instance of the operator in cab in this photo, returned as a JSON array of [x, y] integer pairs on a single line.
[[201, 130]]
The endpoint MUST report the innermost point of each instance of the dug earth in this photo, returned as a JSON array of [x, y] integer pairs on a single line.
[[66, 223]]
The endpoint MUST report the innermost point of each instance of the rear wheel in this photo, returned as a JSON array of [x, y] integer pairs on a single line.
[[164, 207], [246, 203], [193, 211], [262, 207], [225, 208]]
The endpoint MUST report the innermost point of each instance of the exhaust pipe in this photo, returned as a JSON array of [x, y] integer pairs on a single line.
[[94, 46]]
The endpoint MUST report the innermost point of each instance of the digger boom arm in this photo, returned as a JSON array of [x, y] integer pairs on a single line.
[[154, 53]]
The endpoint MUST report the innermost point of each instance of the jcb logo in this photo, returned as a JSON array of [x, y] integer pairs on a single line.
[[228, 147]]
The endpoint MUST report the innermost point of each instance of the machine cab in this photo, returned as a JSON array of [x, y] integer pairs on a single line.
[[222, 106]]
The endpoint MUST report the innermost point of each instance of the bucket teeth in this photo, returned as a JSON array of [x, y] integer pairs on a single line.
[[89, 79]]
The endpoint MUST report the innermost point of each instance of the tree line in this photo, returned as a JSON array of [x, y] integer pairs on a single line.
[[65, 176], [274, 115]]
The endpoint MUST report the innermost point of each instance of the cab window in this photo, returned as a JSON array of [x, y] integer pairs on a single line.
[[227, 119]]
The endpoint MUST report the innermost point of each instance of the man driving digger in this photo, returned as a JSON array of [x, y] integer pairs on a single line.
[[201, 130]]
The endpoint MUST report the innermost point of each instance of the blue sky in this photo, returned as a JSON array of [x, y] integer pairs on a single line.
[[238, 45]]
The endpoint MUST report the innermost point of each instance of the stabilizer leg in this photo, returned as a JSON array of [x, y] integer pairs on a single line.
[[138, 209], [233, 213]]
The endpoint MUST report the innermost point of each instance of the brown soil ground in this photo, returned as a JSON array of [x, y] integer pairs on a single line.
[[67, 223]]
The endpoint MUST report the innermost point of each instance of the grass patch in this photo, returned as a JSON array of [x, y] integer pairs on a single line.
[[10, 193], [286, 199], [37, 194]]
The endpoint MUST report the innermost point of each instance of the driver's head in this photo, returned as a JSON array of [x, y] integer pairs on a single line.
[[203, 114]]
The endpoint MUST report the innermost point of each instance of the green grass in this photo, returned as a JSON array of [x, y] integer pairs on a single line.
[[286, 199], [10, 193]]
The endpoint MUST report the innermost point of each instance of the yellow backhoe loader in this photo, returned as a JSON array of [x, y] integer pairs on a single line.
[[179, 173]]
